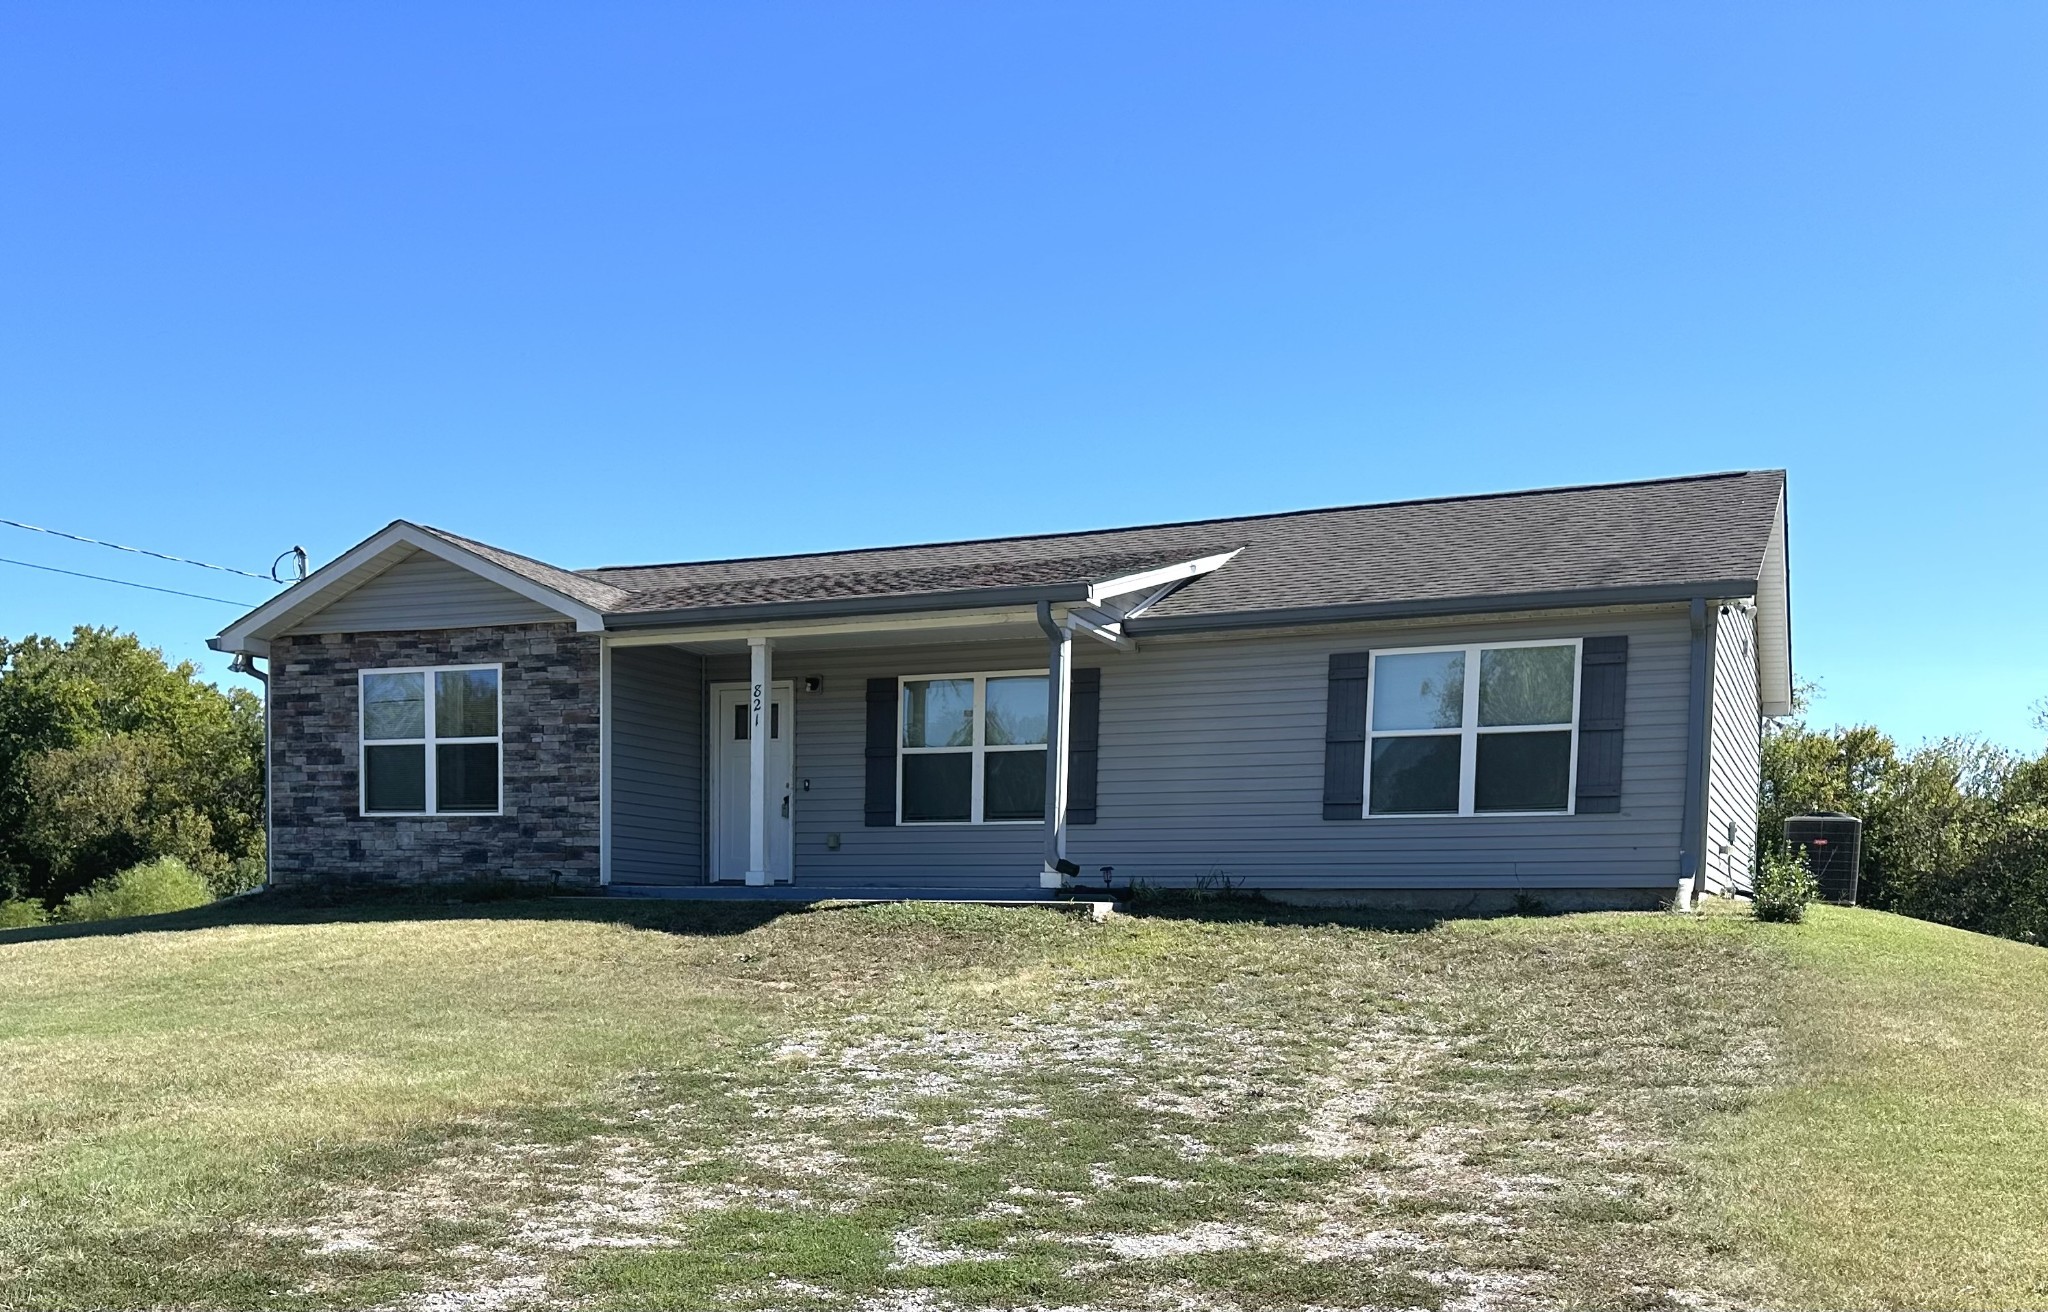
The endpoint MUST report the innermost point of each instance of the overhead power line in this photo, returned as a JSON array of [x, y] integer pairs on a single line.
[[140, 551], [146, 587]]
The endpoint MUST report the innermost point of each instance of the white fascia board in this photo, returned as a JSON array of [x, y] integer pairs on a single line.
[[904, 622], [1774, 623], [332, 580], [1164, 576]]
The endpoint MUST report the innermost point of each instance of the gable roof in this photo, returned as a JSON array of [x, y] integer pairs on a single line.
[[1711, 535], [399, 541], [1708, 532]]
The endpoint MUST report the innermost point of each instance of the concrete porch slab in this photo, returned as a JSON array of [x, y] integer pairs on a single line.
[[1095, 908]]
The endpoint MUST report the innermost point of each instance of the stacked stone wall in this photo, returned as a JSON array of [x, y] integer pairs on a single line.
[[548, 834]]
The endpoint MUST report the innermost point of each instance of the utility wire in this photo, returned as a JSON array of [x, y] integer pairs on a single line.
[[140, 551], [147, 587]]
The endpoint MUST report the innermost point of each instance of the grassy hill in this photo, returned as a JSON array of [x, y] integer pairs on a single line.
[[640, 1106]]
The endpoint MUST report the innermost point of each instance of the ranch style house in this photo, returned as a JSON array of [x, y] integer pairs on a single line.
[[1552, 694]]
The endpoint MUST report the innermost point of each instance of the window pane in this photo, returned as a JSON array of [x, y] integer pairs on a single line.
[[938, 713], [1526, 685], [1523, 772], [938, 786], [395, 778], [1415, 776], [1013, 786], [466, 703], [1421, 690], [466, 776], [395, 705], [1016, 710], [742, 711]]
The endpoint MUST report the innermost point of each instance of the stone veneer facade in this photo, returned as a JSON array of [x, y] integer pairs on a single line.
[[548, 834]]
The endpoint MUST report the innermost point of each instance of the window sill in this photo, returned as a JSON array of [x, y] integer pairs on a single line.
[[1474, 815]]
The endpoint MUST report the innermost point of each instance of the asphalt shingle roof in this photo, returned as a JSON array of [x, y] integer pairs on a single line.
[[582, 586], [1663, 533]]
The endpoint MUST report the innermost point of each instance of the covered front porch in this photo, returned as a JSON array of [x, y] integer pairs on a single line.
[[933, 753]]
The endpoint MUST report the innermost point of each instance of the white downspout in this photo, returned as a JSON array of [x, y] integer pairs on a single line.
[[1059, 703]]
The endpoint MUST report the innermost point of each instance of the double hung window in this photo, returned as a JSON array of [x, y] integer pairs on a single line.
[[1488, 729], [432, 741], [971, 749]]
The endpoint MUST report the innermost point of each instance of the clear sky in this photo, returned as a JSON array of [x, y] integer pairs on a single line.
[[611, 283]]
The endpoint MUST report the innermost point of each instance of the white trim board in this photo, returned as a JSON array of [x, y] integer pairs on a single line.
[[364, 562], [975, 751], [1469, 730], [428, 742], [604, 763], [936, 622]]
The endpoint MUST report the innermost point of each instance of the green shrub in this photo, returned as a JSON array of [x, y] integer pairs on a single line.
[[238, 876], [149, 889], [2001, 889], [22, 913], [1784, 886]]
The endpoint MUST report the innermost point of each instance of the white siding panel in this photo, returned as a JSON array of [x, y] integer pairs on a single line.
[[657, 737], [1734, 760], [424, 592], [1211, 764]]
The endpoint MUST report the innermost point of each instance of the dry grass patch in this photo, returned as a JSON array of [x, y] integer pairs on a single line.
[[495, 1108]]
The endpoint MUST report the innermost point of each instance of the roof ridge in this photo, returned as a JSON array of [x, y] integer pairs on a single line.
[[1184, 523], [492, 546]]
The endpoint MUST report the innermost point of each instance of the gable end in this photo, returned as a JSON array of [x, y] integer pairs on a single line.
[[422, 591]]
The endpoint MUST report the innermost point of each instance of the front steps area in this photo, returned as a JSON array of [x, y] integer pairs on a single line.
[[1096, 908]]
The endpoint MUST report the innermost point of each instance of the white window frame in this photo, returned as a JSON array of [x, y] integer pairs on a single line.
[[427, 743], [1470, 730], [977, 752]]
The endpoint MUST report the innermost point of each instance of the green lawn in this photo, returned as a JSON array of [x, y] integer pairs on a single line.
[[621, 1106]]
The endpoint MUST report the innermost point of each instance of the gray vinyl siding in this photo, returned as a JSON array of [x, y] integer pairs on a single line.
[[1734, 760], [1211, 765], [831, 776], [657, 775], [424, 592]]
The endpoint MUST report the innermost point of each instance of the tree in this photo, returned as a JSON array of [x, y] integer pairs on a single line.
[[109, 755], [1954, 830]]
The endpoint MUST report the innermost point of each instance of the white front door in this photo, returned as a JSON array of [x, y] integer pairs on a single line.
[[731, 791]]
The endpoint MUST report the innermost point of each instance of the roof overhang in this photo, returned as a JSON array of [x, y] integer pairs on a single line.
[[1774, 622], [252, 633], [1086, 592], [947, 626], [1426, 607]]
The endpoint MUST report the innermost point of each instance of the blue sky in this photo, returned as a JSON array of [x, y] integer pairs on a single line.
[[616, 283]]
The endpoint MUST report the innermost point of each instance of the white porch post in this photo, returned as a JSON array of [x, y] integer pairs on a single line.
[[1059, 700], [759, 694]]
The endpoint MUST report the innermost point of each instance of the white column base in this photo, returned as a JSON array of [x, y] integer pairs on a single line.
[[1051, 879], [758, 878]]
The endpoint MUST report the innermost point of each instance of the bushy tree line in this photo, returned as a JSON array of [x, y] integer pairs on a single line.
[[1954, 830], [111, 757]]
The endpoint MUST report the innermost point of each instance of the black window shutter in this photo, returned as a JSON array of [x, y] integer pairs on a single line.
[[1084, 724], [1344, 736], [881, 790], [1603, 703]]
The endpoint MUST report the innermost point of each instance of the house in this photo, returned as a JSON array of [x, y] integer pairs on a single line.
[[1553, 692]]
